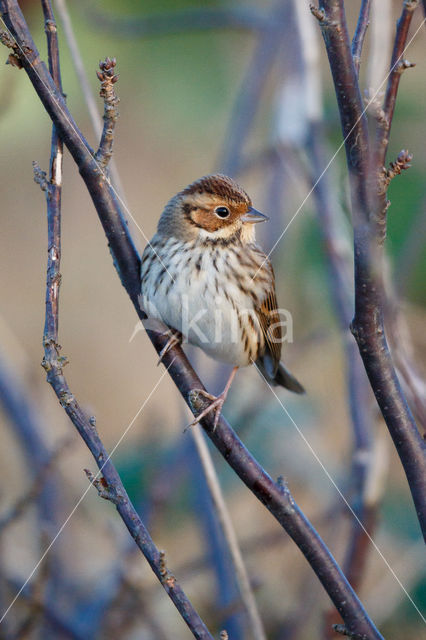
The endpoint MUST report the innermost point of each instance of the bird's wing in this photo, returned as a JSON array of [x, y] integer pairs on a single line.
[[270, 326]]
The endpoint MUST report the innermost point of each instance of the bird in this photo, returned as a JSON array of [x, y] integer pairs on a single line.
[[204, 277]]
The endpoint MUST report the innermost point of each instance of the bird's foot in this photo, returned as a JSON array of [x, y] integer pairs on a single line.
[[175, 338], [216, 405], [217, 402]]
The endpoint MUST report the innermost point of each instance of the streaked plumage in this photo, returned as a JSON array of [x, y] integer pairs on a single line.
[[204, 266]]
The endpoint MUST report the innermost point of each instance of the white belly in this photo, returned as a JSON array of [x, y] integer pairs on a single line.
[[197, 303]]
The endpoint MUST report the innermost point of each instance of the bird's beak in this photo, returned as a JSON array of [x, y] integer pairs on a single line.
[[253, 216]]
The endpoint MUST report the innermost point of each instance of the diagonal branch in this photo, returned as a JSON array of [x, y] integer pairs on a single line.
[[275, 497]]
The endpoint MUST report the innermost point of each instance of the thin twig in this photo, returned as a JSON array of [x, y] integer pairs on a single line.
[[360, 31], [397, 66], [107, 78], [127, 261], [225, 522]]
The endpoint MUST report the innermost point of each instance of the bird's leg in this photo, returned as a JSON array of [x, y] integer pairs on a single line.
[[217, 401], [175, 338]]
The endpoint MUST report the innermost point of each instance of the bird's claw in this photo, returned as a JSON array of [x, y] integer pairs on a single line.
[[216, 405], [175, 338]]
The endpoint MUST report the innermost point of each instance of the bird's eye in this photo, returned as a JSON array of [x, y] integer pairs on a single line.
[[222, 212]]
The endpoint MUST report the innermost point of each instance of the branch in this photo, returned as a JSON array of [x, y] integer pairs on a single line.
[[397, 67], [339, 258], [360, 31], [53, 363], [368, 211], [108, 78], [276, 498]]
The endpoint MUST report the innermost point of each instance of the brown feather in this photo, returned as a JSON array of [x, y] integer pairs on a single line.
[[269, 321]]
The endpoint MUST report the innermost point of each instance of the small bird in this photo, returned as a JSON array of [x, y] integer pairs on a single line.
[[205, 278]]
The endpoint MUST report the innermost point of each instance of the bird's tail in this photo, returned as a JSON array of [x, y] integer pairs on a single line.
[[282, 377], [287, 380]]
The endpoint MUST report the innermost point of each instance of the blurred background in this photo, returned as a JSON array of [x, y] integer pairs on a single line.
[[195, 99]]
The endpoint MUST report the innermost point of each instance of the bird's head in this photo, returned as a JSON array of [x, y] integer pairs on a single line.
[[213, 208]]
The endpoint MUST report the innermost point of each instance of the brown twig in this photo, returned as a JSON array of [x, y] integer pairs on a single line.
[[397, 67], [108, 78], [360, 31]]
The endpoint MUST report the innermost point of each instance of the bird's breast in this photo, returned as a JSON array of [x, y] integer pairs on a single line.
[[208, 293]]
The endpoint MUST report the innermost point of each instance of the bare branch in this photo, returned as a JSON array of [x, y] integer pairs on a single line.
[[360, 31], [368, 209], [398, 65], [108, 78]]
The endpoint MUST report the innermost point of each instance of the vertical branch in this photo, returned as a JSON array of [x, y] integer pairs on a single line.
[[339, 261], [53, 190], [368, 211], [397, 67], [360, 31]]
